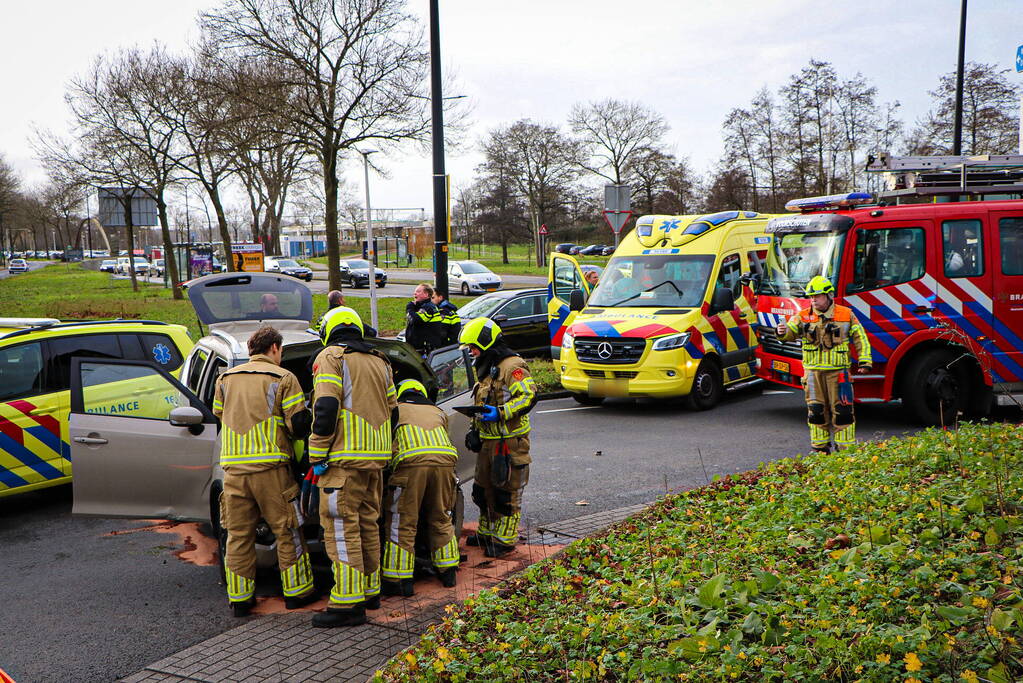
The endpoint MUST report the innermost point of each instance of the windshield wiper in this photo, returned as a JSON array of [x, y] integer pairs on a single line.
[[649, 289]]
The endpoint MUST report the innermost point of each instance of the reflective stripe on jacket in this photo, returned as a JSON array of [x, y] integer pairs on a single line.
[[421, 436], [513, 392], [826, 337]]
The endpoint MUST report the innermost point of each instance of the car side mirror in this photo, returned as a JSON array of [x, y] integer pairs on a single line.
[[500, 318], [576, 300], [723, 300], [185, 416]]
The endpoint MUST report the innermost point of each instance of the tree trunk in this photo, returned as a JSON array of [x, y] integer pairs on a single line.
[[225, 234], [170, 262], [329, 157], [128, 229], [504, 248]]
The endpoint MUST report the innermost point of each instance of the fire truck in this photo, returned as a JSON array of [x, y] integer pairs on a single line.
[[933, 268]]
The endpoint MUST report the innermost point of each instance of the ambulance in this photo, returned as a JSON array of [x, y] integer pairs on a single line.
[[672, 315]]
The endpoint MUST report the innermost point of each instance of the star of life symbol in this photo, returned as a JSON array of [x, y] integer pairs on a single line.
[[162, 354]]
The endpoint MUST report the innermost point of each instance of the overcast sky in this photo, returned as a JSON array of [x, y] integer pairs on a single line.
[[691, 60]]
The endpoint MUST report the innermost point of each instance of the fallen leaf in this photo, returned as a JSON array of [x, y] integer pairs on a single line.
[[582, 502], [840, 541]]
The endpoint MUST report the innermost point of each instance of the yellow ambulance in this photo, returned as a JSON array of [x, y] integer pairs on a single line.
[[673, 313]]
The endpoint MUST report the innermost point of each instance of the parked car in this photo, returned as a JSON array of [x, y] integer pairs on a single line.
[[607, 251], [158, 266], [355, 272], [287, 266], [17, 265], [141, 265], [521, 315], [564, 248], [471, 277], [167, 463], [108, 266], [593, 250]]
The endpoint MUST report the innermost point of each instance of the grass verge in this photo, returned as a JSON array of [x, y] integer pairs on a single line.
[[892, 561], [546, 377]]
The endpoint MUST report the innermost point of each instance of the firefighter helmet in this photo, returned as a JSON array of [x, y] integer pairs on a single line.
[[338, 317], [819, 285], [480, 332], [407, 385]]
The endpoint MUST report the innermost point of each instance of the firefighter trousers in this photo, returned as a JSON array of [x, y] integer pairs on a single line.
[[829, 403], [415, 491], [497, 490], [350, 516], [273, 495]]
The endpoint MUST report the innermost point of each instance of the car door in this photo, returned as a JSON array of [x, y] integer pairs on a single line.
[[130, 460], [516, 319], [563, 276], [454, 277], [455, 378], [732, 326]]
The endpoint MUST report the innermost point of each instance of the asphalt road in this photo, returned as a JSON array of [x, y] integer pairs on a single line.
[[32, 265], [85, 601]]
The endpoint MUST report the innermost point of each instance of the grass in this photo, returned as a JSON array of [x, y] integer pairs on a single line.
[[546, 377], [892, 561]]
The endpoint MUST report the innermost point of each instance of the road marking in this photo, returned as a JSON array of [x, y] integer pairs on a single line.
[[773, 391], [565, 410]]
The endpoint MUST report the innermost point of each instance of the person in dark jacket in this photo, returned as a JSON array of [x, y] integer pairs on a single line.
[[423, 326], [452, 324]]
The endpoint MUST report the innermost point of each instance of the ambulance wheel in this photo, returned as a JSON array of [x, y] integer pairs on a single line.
[[708, 387], [936, 387], [587, 400]]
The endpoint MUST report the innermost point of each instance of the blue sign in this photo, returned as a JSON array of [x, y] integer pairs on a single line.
[[162, 354], [1019, 59]]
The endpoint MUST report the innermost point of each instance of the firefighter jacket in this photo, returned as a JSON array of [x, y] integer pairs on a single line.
[[421, 436], [508, 387], [826, 337], [424, 328], [450, 321], [353, 395], [261, 408]]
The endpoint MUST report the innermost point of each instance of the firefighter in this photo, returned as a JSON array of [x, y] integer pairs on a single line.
[[826, 329], [423, 322], [506, 393], [422, 481], [262, 408], [452, 324], [353, 396]]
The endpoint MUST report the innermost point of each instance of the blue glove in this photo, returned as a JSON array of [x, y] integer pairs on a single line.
[[489, 414], [320, 469]]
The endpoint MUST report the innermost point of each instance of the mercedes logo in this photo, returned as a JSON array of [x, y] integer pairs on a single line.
[[604, 350]]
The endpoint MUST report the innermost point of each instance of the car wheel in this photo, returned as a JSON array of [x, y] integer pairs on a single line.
[[708, 387], [936, 387], [465, 289], [587, 400], [381, 285]]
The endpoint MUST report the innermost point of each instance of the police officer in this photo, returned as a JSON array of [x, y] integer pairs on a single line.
[[506, 393], [423, 326], [826, 329], [262, 408], [422, 480], [353, 396], [451, 323]]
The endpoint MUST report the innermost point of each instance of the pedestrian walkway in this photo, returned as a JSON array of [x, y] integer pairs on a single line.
[[283, 646]]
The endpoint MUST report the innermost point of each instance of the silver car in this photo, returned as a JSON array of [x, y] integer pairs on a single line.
[[470, 277], [162, 461]]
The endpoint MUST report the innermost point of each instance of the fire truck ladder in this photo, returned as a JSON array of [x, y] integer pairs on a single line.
[[932, 176]]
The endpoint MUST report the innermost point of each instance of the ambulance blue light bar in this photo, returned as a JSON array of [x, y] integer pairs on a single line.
[[831, 201]]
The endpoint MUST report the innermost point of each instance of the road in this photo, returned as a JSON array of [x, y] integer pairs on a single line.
[[32, 265], [83, 600]]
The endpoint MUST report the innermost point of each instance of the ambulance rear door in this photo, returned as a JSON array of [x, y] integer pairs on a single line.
[[564, 277]]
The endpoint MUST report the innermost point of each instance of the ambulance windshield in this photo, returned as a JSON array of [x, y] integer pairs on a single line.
[[654, 280], [796, 257]]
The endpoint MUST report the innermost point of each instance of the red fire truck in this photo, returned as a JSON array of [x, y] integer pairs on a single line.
[[937, 282]]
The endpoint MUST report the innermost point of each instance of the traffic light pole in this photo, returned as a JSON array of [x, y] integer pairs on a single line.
[[440, 203]]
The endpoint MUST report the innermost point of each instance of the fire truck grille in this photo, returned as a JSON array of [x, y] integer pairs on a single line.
[[771, 344]]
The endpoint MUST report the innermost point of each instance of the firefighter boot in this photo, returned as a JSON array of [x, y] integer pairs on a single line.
[[333, 618], [404, 587], [242, 608], [447, 577], [301, 600], [497, 549], [372, 603]]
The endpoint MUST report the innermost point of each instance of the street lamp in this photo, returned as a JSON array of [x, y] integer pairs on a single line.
[[370, 251]]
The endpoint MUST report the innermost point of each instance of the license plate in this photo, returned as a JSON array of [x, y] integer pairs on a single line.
[[780, 365], [610, 388]]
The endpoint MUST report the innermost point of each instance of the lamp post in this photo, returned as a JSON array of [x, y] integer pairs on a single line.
[[370, 251]]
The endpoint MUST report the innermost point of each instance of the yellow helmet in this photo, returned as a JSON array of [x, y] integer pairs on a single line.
[[336, 317], [819, 285], [410, 385], [480, 332]]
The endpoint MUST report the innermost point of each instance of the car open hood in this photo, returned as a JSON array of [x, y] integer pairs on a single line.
[[242, 297]]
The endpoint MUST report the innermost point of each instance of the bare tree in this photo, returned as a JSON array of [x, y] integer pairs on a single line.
[[648, 176], [682, 191], [612, 132], [9, 184], [357, 71], [764, 114], [741, 146], [729, 188]]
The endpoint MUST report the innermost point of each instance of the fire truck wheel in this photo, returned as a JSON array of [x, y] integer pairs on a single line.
[[936, 387], [708, 387], [587, 400]]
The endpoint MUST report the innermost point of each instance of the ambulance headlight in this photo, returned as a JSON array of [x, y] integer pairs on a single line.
[[672, 341], [566, 342]]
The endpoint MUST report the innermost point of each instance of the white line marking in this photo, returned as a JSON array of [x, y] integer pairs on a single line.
[[565, 410], [768, 392]]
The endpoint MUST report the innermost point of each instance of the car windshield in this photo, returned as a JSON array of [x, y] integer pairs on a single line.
[[287, 263], [482, 307], [470, 268], [654, 280], [797, 257], [139, 259], [108, 263], [358, 263]]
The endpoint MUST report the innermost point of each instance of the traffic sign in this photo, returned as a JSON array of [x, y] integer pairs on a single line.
[[617, 198], [1019, 59], [616, 220], [543, 229]]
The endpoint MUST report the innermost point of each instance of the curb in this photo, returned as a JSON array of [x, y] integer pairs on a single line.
[[551, 395]]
